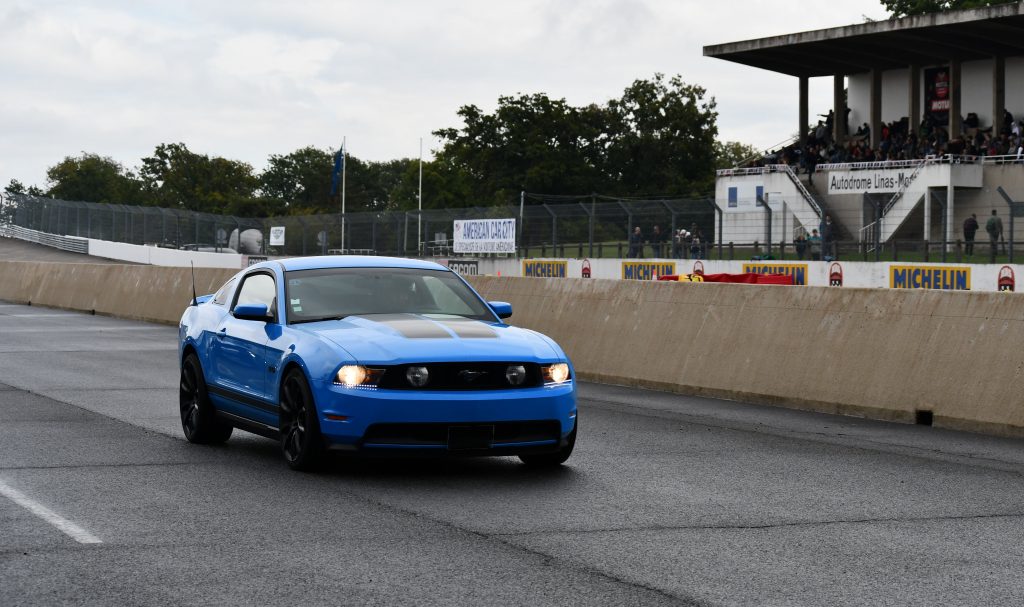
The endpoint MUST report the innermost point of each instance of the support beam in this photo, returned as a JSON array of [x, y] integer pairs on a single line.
[[839, 108], [954, 100], [927, 214], [804, 113], [914, 110], [998, 94], [950, 233], [875, 113]]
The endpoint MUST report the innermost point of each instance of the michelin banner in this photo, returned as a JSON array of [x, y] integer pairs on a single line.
[[485, 236]]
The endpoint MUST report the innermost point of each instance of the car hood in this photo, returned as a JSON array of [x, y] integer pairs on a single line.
[[400, 338]]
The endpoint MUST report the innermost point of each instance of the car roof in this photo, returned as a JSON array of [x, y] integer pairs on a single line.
[[354, 261]]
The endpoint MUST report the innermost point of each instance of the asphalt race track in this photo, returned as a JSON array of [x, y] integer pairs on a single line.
[[668, 500]]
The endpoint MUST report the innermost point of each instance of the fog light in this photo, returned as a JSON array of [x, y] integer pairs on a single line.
[[556, 374], [417, 376], [515, 374]]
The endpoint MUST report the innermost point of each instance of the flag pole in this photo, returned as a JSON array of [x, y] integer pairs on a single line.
[[419, 215], [344, 168]]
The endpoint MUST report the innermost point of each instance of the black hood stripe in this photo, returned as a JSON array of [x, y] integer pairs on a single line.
[[470, 329], [411, 326]]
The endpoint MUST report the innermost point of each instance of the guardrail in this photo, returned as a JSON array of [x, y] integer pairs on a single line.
[[65, 243]]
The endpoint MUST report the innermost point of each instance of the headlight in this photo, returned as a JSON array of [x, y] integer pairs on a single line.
[[417, 376], [557, 373], [357, 375]]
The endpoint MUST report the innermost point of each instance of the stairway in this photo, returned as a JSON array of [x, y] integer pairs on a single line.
[[842, 232]]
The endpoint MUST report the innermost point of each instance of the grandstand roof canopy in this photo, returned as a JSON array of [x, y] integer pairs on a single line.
[[936, 38]]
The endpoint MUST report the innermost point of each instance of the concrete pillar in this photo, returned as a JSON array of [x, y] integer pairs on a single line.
[[998, 94], [928, 214], [954, 100], [950, 231], [914, 111], [804, 114], [839, 108], [875, 113]]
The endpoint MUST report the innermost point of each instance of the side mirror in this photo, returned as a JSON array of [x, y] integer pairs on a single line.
[[502, 308], [255, 311]]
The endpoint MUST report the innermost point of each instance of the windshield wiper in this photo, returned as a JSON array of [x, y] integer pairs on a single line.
[[321, 319]]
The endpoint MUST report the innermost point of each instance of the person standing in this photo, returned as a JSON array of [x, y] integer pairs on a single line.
[[828, 238], [814, 242], [800, 243], [970, 227], [656, 242], [994, 227], [636, 243]]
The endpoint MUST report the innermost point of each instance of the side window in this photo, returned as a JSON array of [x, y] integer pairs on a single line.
[[258, 289], [221, 297]]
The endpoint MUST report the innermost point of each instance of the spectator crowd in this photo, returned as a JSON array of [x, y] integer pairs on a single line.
[[682, 244], [899, 142]]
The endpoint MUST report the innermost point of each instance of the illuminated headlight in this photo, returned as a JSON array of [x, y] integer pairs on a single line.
[[557, 373], [356, 375], [515, 374], [417, 376]]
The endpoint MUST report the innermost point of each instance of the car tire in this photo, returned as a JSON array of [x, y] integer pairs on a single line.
[[198, 419], [551, 460], [301, 442]]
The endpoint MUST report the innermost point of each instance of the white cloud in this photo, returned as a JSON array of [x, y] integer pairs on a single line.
[[250, 79]]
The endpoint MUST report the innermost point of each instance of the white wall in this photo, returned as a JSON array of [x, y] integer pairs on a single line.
[[163, 257]]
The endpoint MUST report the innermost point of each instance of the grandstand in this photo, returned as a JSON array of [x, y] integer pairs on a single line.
[[939, 100]]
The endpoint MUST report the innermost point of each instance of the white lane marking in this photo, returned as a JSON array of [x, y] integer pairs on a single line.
[[64, 525]]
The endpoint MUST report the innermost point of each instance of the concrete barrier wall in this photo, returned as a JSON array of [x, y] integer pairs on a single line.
[[152, 293], [878, 353]]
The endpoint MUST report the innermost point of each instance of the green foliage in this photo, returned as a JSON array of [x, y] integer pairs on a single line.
[[93, 178], [301, 180], [176, 177], [903, 8], [657, 138], [731, 154]]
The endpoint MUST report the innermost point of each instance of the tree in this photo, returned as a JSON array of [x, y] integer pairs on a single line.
[[301, 180], [531, 142], [662, 139], [903, 8], [658, 138], [176, 177], [731, 154], [93, 178]]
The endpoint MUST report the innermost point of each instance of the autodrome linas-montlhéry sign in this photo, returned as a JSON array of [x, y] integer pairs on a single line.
[[868, 182]]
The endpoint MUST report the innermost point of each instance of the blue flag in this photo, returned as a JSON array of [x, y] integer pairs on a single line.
[[339, 163]]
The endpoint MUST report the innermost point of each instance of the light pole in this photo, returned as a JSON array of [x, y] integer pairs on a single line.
[[419, 214], [344, 169]]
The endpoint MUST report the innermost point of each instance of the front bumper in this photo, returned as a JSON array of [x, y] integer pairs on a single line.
[[522, 420]]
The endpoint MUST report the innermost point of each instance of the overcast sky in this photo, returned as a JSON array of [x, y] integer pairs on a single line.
[[246, 79]]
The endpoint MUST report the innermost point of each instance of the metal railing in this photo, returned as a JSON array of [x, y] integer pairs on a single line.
[[64, 243]]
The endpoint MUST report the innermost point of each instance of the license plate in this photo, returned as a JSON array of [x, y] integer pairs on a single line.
[[461, 438]]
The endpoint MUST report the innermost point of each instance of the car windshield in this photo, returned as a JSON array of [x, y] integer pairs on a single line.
[[334, 293]]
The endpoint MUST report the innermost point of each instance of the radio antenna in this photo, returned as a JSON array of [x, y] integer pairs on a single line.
[[195, 300]]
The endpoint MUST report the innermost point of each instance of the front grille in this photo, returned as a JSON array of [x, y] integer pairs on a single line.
[[432, 434], [461, 376]]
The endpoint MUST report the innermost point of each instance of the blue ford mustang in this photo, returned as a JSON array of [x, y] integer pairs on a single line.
[[375, 355]]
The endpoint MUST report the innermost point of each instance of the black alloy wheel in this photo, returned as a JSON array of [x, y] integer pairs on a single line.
[[301, 442], [550, 460], [198, 420]]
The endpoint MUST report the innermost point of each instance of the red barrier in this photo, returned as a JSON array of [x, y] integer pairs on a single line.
[[751, 278]]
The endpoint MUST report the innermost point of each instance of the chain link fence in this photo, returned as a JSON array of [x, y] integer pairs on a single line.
[[593, 226]]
